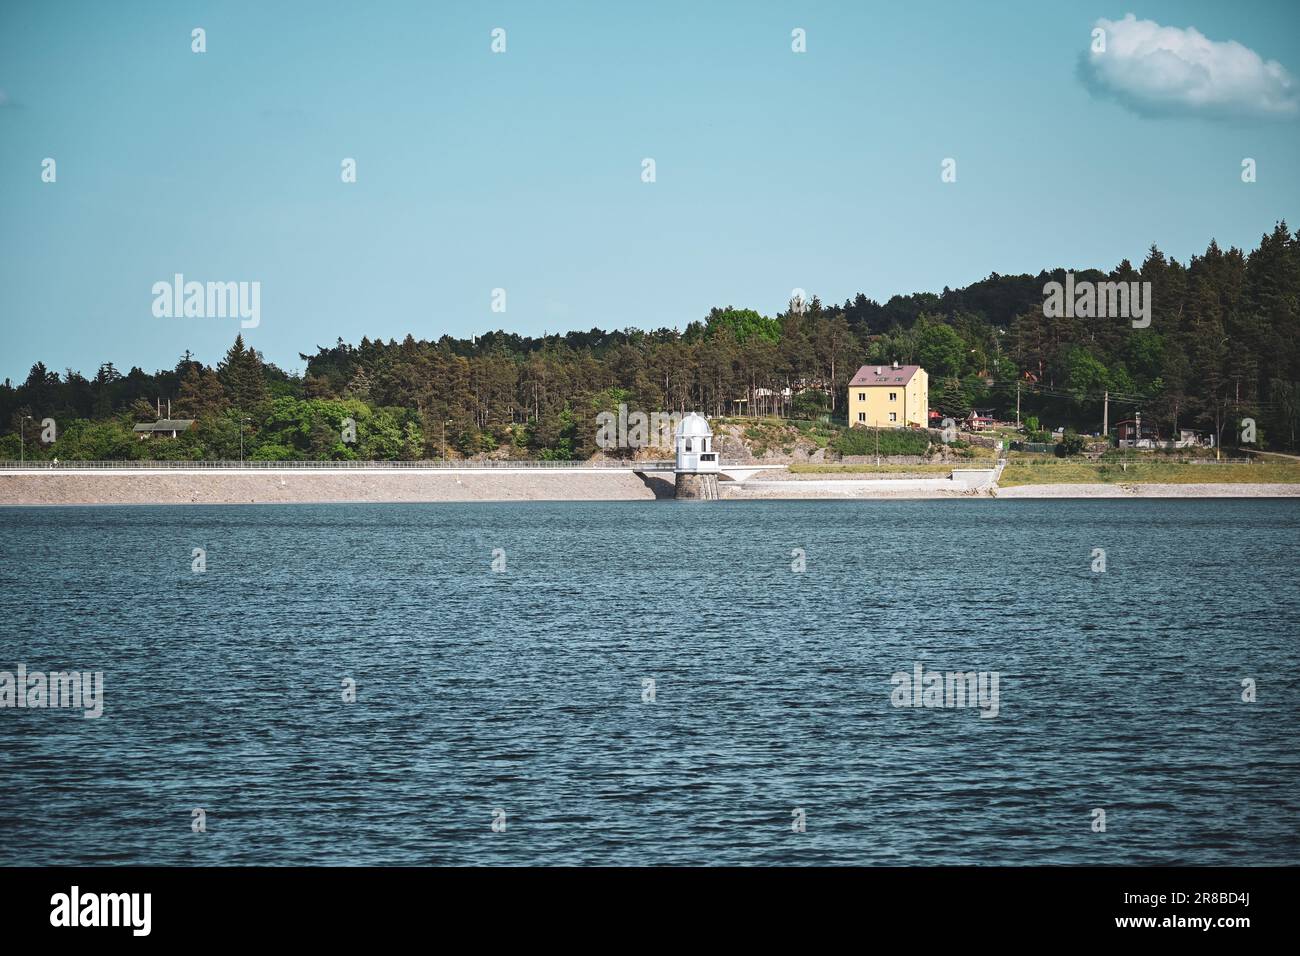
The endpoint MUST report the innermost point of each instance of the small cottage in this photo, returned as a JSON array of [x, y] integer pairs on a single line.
[[164, 428]]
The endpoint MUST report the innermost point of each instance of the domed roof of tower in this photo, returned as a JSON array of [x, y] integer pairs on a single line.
[[694, 425]]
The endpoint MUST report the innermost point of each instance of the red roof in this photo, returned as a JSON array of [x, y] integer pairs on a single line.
[[884, 375]]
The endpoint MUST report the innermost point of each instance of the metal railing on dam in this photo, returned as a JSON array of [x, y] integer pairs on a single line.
[[247, 465]]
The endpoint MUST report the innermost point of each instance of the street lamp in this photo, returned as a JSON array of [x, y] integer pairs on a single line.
[[22, 438], [444, 438], [241, 438]]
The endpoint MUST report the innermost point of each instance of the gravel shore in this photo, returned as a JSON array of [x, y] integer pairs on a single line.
[[1121, 490]]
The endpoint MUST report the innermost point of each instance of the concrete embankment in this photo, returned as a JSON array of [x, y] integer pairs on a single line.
[[131, 486], [297, 486], [963, 482], [290, 487], [848, 488]]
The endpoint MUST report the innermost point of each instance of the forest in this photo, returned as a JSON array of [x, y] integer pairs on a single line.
[[1223, 345]]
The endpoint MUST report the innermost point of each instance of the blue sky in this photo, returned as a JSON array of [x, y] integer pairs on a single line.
[[522, 170]]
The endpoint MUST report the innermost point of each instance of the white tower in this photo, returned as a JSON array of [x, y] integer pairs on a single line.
[[698, 462], [695, 452]]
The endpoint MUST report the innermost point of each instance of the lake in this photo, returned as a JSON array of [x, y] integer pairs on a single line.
[[650, 683]]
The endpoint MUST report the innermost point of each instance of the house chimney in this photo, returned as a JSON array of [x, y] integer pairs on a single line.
[[895, 363], [877, 369]]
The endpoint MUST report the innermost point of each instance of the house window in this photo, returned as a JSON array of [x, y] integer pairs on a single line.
[[862, 416], [893, 416], [862, 396], [893, 396], [688, 444]]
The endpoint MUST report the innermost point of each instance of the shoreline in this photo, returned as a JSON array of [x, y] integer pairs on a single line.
[[273, 486], [1226, 489]]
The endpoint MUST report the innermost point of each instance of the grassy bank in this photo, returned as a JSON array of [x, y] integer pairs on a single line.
[[1055, 471]]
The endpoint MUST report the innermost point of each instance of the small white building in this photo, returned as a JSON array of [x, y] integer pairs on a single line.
[[695, 451]]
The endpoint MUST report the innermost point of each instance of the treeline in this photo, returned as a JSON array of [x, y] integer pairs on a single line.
[[1223, 345]]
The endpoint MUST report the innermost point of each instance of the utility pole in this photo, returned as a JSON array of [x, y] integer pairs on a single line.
[[22, 439], [1105, 413], [1017, 404]]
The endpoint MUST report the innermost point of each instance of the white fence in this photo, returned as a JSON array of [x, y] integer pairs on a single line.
[[431, 465]]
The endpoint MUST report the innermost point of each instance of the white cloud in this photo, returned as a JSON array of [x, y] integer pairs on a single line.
[[1155, 70]]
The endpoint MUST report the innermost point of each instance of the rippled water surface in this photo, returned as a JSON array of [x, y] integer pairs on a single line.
[[522, 690]]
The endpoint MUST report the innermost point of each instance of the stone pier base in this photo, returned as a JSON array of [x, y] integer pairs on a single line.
[[697, 486]]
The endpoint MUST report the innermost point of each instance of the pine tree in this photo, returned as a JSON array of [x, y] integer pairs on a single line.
[[359, 387], [201, 394], [240, 372]]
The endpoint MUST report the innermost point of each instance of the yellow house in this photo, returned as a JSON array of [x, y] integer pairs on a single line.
[[890, 396]]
